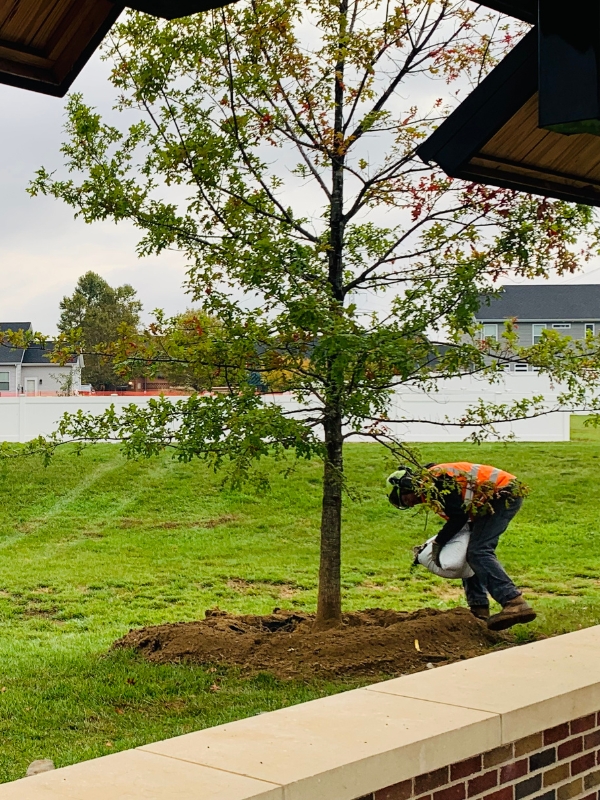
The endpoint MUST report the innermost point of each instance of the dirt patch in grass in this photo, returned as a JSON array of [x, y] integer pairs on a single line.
[[371, 642], [283, 591], [129, 522]]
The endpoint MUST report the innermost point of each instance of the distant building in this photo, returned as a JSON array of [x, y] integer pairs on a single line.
[[29, 371], [571, 310]]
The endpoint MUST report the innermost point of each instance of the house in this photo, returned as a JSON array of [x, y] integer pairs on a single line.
[[571, 310], [29, 371]]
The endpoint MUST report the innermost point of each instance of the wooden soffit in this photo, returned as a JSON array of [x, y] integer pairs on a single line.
[[493, 137], [44, 44]]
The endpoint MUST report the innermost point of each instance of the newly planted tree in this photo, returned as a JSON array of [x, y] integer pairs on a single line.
[[272, 142]]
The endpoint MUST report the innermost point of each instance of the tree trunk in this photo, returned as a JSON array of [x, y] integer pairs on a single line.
[[329, 608]]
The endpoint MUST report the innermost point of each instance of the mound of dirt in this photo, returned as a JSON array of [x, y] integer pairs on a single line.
[[371, 642]]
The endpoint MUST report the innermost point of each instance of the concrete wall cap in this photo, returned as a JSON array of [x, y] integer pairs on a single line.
[[353, 743]]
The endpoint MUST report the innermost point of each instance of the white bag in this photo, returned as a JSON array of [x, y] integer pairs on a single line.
[[453, 556]]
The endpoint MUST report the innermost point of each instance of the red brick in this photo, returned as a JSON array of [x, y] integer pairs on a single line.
[[399, 791], [431, 780], [582, 763], [465, 768], [498, 756], [457, 792], [552, 735], [502, 794], [483, 782], [513, 771], [583, 724], [570, 748], [529, 744], [591, 740]]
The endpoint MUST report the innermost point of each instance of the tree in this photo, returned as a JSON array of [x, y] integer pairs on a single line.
[[98, 315], [179, 349], [273, 147]]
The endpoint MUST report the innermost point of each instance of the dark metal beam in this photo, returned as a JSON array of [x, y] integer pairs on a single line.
[[569, 66], [172, 9], [525, 10]]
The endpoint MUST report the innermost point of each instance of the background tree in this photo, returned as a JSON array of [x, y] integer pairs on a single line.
[[179, 349], [98, 315], [274, 147]]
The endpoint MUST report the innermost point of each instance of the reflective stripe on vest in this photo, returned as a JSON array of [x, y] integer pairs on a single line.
[[469, 476]]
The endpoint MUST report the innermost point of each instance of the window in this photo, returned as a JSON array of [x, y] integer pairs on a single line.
[[561, 326], [4, 382], [521, 366], [590, 328], [537, 333], [490, 331]]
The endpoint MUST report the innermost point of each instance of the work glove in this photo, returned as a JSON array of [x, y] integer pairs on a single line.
[[436, 549], [417, 550]]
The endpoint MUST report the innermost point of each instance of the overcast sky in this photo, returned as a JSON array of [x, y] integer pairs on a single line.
[[43, 250]]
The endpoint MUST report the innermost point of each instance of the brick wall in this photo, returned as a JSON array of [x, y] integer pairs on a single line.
[[561, 763]]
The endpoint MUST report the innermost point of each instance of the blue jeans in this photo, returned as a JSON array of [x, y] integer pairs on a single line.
[[490, 576]]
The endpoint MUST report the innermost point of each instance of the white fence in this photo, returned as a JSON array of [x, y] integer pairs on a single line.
[[455, 396], [24, 418]]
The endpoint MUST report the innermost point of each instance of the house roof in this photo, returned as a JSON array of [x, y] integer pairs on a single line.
[[36, 354], [44, 44], [33, 354], [10, 355], [545, 302], [15, 326]]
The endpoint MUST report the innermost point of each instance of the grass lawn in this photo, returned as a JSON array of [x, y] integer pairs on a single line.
[[94, 545]]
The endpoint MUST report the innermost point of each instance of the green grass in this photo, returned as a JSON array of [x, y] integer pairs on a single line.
[[94, 545]]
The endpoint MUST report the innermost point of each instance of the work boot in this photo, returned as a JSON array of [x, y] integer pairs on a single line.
[[481, 612], [516, 612]]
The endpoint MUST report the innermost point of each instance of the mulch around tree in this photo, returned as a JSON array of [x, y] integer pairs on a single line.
[[369, 643]]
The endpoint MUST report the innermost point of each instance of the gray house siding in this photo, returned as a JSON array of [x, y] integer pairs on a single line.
[[12, 378], [48, 378], [525, 334], [542, 304], [525, 328]]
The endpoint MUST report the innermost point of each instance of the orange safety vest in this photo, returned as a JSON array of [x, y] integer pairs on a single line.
[[470, 476]]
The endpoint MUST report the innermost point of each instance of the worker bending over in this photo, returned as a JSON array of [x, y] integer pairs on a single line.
[[485, 497]]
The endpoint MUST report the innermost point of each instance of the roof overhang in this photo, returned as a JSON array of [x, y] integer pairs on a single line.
[[525, 10], [494, 137], [44, 46]]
